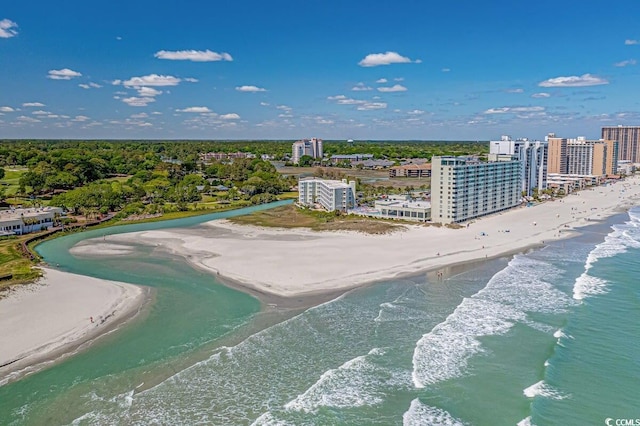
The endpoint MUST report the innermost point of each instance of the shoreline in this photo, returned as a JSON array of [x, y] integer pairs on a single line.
[[47, 321], [292, 268]]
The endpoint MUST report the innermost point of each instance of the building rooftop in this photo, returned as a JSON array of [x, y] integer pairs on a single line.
[[12, 214], [333, 184]]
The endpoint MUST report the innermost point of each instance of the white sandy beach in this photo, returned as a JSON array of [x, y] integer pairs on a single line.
[[55, 315], [301, 262]]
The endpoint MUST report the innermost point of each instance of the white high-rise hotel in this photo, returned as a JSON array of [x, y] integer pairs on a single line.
[[464, 188], [534, 158], [311, 147], [330, 194]]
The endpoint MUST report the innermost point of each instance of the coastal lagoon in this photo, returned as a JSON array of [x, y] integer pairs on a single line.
[[544, 337]]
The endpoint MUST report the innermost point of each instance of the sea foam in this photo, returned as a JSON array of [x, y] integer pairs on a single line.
[[544, 390], [509, 295], [420, 414]]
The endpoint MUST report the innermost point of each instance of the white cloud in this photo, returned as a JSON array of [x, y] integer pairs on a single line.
[[381, 80], [90, 86], [367, 106], [324, 121], [6, 109], [398, 79], [195, 110], [629, 42], [191, 80], [8, 28], [574, 81], [28, 119], [193, 55], [445, 69], [250, 89], [150, 80], [376, 59], [394, 88], [148, 91], [416, 112], [140, 115], [232, 116], [361, 87], [33, 104], [541, 95], [515, 90], [40, 112], [63, 74], [80, 118], [511, 110], [135, 101], [625, 63], [362, 105], [284, 108], [343, 100], [264, 104]]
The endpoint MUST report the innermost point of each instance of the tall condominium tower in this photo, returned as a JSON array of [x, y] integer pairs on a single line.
[[582, 157], [628, 138], [311, 147], [464, 188], [533, 156]]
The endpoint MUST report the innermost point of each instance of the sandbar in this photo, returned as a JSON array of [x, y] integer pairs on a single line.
[[45, 321]]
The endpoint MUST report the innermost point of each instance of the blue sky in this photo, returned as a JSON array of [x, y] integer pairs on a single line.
[[331, 69]]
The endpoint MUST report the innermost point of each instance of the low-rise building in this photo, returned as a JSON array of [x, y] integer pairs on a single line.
[[403, 208], [332, 195], [24, 221], [373, 164], [337, 158], [411, 171], [625, 167], [567, 183], [207, 157]]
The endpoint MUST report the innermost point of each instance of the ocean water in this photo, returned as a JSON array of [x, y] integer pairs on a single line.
[[549, 337]]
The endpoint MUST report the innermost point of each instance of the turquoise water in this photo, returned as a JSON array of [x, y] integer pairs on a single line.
[[548, 337]]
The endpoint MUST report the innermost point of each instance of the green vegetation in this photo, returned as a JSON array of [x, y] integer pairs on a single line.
[[407, 149], [14, 267], [293, 217], [157, 180]]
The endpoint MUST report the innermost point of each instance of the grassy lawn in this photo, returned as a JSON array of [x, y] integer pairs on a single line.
[[13, 263], [373, 177], [293, 217], [11, 179]]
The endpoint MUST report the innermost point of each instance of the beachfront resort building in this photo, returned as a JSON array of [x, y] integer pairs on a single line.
[[628, 138], [311, 147], [397, 207], [24, 221], [403, 208], [464, 188], [533, 157], [331, 195], [580, 156]]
